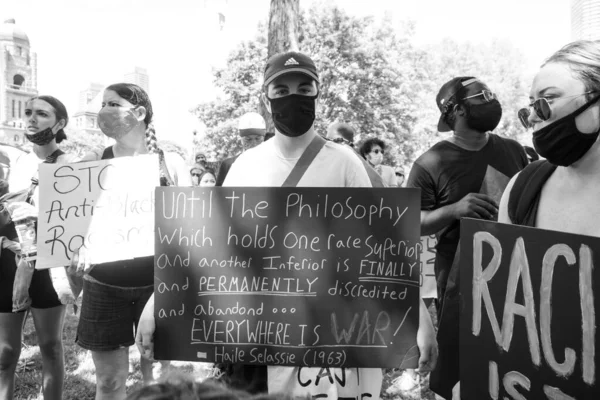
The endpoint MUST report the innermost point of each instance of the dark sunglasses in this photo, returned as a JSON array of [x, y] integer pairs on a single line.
[[487, 95], [377, 151], [196, 175], [542, 109]]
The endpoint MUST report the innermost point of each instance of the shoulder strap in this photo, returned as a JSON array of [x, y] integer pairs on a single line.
[[374, 177], [51, 159], [304, 161], [526, 188]]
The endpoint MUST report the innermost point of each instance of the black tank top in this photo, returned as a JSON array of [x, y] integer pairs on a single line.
[[127, 273]]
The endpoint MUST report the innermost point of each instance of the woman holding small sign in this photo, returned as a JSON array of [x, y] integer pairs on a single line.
[[115, 293], [561, 192], [21, 287]]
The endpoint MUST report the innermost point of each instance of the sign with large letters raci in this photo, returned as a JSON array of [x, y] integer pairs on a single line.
[[528, 320], [287, 276]]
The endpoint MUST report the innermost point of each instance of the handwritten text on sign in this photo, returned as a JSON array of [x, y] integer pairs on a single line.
[[528, 325], [428, 282], [283, 276], [108, 206]]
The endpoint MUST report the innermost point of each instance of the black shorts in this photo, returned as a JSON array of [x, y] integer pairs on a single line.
[[109, 315], [41, 290]]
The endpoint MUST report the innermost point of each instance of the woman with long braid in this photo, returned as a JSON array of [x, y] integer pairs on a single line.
[[114, 293]]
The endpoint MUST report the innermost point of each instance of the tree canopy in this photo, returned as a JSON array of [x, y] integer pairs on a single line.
[[372, 76]]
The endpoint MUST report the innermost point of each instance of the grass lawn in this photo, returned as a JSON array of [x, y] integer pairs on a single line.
[[80, 380]]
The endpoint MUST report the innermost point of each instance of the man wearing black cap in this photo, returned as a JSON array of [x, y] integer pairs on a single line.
[[291, 90], [462, 176]]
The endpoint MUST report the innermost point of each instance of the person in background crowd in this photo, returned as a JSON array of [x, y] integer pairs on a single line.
[[291, 90], [252, 130], [372, 150], [462, 176], [114, 293], [45, 119], [201, 159], [207, 179], [532, 155], [400, 177], [195, 173], [340, 132]]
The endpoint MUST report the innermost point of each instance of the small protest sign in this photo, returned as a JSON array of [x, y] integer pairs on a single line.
[[527, 322], [107, 205], [287, 276], [428, 282]]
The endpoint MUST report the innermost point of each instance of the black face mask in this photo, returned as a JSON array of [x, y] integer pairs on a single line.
[[561, 143], [293, 115], [484, 117], [41, 138]]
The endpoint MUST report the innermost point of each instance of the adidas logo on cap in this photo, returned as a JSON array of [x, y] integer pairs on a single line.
[[291, 61]]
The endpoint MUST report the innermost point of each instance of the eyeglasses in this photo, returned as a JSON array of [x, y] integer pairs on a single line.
[[487, 96], [542, 109], [377, 151], [196, 175]]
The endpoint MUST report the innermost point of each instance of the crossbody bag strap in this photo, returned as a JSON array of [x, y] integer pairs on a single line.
[[304, 161]]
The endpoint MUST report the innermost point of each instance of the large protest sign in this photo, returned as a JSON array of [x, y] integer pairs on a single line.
[[428, 253], [287, 276], [107, 205], [527, 324]]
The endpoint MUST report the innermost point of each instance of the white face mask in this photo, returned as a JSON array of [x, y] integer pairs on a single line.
[[375, 159]]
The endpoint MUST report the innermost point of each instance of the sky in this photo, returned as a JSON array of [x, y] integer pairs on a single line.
[[179, 41]]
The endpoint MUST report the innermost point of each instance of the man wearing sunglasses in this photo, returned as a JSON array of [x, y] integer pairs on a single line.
[[196, 172], [461, 176], [252, 130]]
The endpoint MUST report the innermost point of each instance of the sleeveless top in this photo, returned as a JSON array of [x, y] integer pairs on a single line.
[[136, 272]]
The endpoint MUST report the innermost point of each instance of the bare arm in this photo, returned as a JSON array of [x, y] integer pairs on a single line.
[[473, 205], [436, 220]]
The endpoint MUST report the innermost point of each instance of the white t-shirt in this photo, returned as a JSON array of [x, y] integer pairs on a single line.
[[335, 166]]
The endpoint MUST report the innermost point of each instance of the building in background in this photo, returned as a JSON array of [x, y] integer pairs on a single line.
[[139, 76], [585, 19], [90, 102], [18, 81]]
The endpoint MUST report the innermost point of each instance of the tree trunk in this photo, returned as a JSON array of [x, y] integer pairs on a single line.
[[283, 26], [283, 36]]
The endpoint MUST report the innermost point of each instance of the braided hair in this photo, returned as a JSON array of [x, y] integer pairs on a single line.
[[138, 97]]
